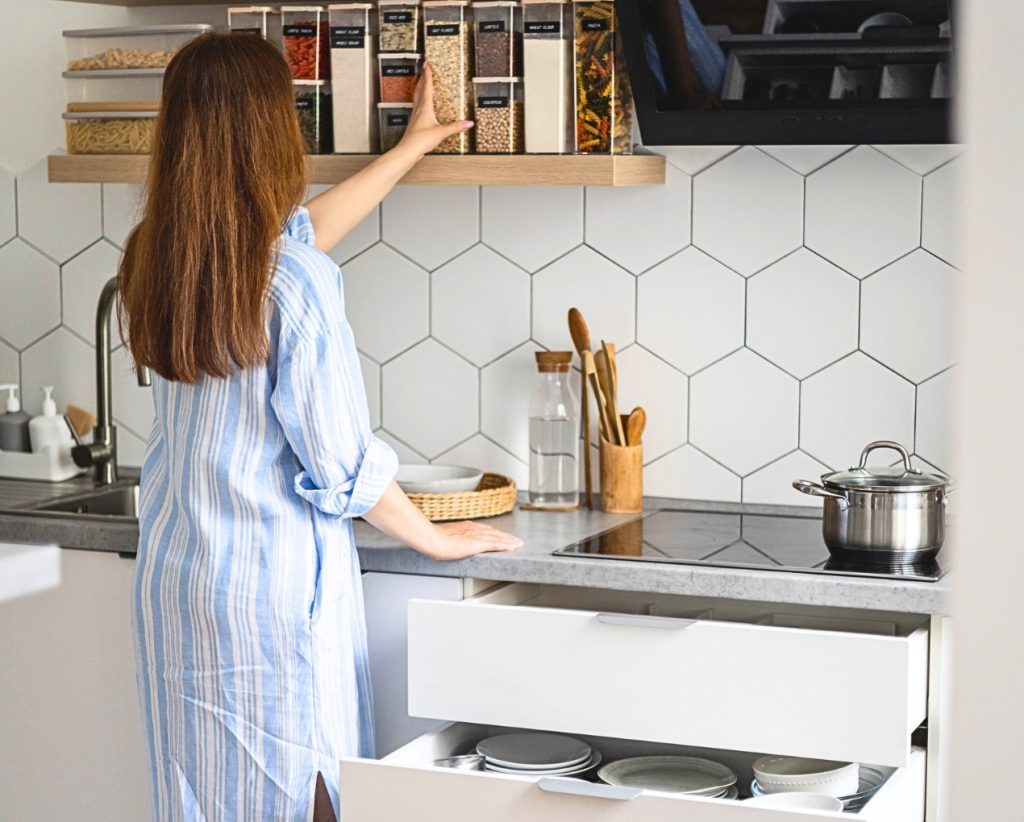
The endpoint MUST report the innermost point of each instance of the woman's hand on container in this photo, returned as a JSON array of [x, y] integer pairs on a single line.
[[457, 540], [424, 133]]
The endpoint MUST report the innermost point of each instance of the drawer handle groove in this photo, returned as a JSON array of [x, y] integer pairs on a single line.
[[577, 787], [644, 621]]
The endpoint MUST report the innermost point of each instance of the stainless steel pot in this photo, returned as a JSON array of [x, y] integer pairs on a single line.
[[882, 516]]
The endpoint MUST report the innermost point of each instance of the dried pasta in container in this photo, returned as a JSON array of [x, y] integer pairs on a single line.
[[110, 132], [602, 93]]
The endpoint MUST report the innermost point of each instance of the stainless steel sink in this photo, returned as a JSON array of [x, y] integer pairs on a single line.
[[120, 500]]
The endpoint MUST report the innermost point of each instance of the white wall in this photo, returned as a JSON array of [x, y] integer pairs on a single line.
[[763, 300]]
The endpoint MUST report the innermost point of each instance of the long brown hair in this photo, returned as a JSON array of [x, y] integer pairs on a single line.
[[226, 173]]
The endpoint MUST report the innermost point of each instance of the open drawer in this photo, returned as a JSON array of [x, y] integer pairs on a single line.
[[672, 669], [405, 786]]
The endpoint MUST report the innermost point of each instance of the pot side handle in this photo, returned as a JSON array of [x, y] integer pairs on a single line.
[[815, 489]]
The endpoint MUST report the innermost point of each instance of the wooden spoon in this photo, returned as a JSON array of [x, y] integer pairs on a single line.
[[581, 340], [636, 422]]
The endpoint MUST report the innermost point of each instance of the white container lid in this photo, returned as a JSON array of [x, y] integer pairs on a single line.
[[497, 79], [349, 6], [302, 9], [110, 115], [395, 105], [310, 82], [111, 74], [397, 2], [129, 31], [251, 10], [490, 4], [399, 55]]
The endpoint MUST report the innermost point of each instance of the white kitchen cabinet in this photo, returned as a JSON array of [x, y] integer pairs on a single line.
[[674, 670], [387, 599], [404, 786]]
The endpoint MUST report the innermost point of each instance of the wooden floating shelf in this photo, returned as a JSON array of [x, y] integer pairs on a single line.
[[473, 169]]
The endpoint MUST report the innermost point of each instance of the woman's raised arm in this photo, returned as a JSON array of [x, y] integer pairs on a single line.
[[341, 208]]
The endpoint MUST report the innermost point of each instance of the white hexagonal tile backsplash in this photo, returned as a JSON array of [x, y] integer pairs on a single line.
[[748, 210], [458, 359]]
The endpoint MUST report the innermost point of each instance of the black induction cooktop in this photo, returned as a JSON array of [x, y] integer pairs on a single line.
[[734, 540]]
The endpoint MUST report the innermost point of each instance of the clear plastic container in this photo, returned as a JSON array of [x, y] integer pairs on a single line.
[[394, 118], [399, 25], [354, 87], [447, 44], [601, 88], [554, 434], [548, 66], [262, 20], [499, 115], [313, 105], [127, 48], [304, 40], [399, 74], [499, 38], [110, 132]]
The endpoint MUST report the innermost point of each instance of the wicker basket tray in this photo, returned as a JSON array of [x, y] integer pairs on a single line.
[[495, 495]]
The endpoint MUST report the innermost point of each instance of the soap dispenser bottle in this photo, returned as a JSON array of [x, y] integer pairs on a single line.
[[14, 434], [48, 428]]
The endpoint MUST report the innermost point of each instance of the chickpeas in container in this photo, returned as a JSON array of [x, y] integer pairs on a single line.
[[447, 44], [354, 86], [304, 40], [499, 115]]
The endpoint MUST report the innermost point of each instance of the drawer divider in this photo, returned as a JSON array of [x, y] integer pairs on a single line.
[[578, 787]]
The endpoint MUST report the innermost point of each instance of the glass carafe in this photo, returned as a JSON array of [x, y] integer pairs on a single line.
[[554, 434]]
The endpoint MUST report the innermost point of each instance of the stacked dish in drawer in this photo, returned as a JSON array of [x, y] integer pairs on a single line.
[[113, 82]]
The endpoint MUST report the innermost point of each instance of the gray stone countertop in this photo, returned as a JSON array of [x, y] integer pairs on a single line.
[[542, 533]]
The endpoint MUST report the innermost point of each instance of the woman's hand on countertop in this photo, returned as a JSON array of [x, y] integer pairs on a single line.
[[458, 540], [424, 133]]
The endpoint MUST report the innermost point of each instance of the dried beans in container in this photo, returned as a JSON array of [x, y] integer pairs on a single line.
[[399, 74], [354, 89], [447, 43], [304, 39], [399, 25], [499, 38], [498, 115], [313, 106], [262, 21], [394, 118], [602, 93], [547, 71]]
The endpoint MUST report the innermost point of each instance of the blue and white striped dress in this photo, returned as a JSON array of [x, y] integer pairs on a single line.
[[249, 632]]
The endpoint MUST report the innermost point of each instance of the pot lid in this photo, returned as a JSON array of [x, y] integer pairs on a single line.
[[883, 477]]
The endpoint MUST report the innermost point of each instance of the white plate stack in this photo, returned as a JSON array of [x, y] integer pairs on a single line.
[[538, 754], [690, 775]]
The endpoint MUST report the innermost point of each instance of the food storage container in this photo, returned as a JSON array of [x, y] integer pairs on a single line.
[[92, 131], [127, 48], [399, 74], [447, 43], [547, 67], [498, 115], [354, 92], [262, 20], [304, 39], [394, 117], [313, 105], [399, 25], [499, 38], [602, 95]]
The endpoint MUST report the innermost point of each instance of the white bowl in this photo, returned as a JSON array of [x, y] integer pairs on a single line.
[[784, 774], [810, 801], [437, 479]]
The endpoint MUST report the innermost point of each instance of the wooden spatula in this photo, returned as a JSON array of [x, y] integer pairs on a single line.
[[590, 373], [581, 340], [606, 375]]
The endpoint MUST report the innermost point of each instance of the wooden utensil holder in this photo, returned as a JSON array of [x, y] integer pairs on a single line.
[[622, 478]]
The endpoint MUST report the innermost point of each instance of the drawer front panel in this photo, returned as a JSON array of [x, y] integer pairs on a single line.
[[712, 684], [404, 787]]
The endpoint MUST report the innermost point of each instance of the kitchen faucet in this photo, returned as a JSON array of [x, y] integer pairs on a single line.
[[101, 453]]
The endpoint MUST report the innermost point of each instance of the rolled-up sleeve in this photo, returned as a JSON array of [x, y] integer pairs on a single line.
[[321, 403]]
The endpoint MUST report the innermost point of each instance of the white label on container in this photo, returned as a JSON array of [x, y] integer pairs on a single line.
[[492, 102], [397, 120], [300, 31], [304, 103], [543, 27], [398, 71], [592, 24], [446, 30], [398, 17], [348, 37], [491, 26]]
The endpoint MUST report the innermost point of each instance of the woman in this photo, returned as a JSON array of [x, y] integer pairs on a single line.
[[248, 622]]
